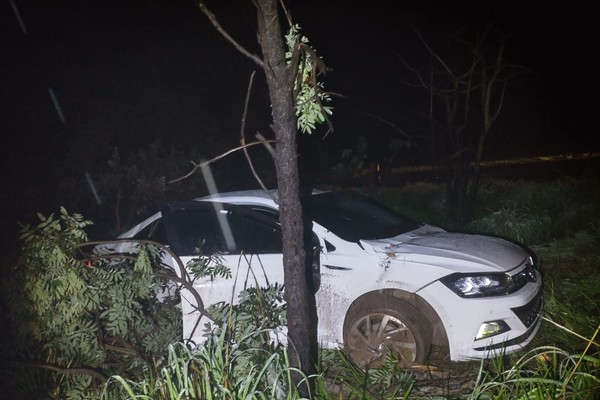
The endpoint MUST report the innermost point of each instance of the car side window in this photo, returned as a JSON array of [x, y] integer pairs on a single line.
[[195, 228], [254, 235]]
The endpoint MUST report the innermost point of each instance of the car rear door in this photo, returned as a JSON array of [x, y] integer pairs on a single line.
[[246, 241]]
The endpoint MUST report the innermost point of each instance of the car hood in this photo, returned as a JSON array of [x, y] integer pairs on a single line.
[[430, 244]]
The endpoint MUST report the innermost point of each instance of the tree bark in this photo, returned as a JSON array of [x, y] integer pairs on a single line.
[[301, 319]]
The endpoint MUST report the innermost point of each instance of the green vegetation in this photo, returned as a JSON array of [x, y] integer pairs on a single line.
[[78, 319], [87, 327]]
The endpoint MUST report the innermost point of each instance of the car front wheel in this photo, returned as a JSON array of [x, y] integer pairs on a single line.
[[373, 327]]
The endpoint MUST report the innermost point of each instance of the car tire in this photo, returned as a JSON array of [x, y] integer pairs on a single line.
[[373, 326]]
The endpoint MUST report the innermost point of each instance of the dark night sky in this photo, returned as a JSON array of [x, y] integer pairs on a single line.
[[156, 66], [132, 71]]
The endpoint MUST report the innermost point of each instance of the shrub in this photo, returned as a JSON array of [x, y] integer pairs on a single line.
[[77, 321]]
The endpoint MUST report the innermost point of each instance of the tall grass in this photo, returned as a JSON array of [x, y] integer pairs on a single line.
[[571, 308], [349, 382], [239, 360], [210, 372], [544, 372], [538, 213]]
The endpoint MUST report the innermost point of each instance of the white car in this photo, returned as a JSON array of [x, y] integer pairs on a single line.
[[383, 281]]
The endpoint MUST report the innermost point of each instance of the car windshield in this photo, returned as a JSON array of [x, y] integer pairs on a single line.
[[354, 217]]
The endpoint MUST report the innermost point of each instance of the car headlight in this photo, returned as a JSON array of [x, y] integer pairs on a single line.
[[480, 285]]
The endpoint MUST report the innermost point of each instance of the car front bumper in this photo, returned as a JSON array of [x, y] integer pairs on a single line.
[[520, 314]]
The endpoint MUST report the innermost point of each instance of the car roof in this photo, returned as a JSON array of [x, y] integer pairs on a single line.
[[242, 194], [252, 196], [255, 197]]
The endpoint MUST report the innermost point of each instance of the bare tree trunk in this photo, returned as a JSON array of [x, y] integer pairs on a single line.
[[301, 317], [299, 296]]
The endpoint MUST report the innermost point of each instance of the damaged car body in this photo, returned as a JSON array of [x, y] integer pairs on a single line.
[[382, 281]]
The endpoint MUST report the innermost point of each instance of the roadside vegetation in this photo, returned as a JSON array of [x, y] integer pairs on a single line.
[[127, 350]]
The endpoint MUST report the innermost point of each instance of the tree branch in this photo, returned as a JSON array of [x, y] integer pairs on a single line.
[[93, 372], [243, 139], [198, 166], [213, 20]]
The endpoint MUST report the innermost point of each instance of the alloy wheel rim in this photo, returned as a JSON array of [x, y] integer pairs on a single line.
[[372, 334]]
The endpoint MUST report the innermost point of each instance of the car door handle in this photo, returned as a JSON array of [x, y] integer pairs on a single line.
[[337, 267]]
